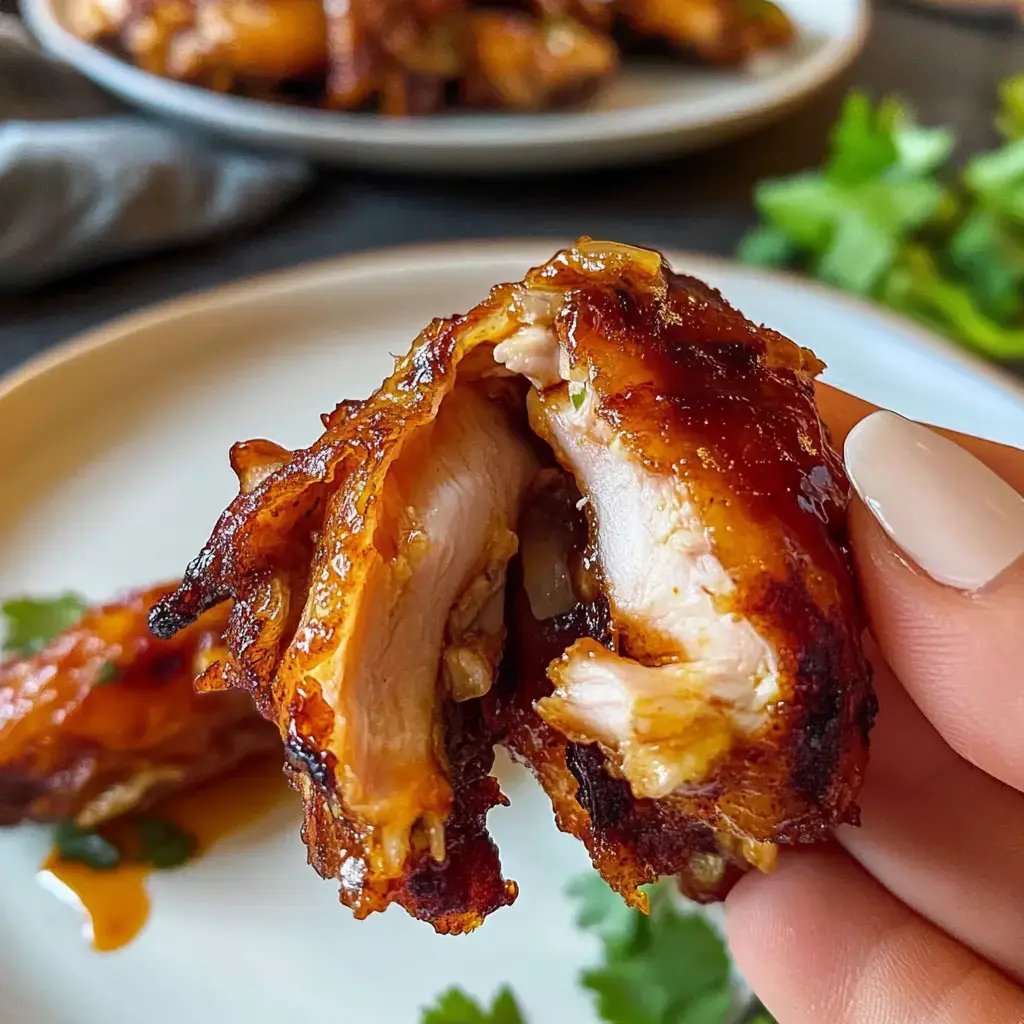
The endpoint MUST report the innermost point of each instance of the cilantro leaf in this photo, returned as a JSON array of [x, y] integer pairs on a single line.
[[850, 234], [31, 623], [767, 246], [628, 993], [666, 968], [863, 146], [871, 143], [601, 910], [161, 843], [997, 181], [712, 1009], [85, 846], [455, 1007], [164, 844], [991, 257], [1011, 115], [918, 288], [878, 220], [848, 222], [505, 1009]]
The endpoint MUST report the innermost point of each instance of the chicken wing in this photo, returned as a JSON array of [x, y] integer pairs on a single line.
[[418, 56], [369, 572], [403, 57], [105, 719], [612, 466], [259, 47], [718, 31], [713, 699]]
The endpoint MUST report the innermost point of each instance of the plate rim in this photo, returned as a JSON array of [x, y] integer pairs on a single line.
[[232, 293], [439, 133], [449, 255]]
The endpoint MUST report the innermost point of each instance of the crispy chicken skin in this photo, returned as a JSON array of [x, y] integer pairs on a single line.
[[715, 696], [75, 743], [597, 519], [369, 577], [416, 56]]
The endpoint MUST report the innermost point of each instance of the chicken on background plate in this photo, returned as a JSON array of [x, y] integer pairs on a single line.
[[418, 56], [103, 719], [596, 519]]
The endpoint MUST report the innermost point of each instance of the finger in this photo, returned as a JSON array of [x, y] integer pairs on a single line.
[[939, 559], [941, 835], [842, 412], [823, 941]]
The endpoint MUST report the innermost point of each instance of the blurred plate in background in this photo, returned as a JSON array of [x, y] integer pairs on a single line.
[[649, 110], [115, 470]]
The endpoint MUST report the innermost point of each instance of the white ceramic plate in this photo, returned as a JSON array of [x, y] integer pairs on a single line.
[[115, 468], [650, 110]]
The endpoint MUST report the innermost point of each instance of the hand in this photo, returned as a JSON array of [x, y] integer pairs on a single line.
[[918, 916]]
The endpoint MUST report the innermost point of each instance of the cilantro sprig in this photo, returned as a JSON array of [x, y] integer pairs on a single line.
[[455, 1007], [1011, 101], [31, 623], [156, 841], [885, 218], [85, 846], [665, 968], [670, 967], [165, 845]]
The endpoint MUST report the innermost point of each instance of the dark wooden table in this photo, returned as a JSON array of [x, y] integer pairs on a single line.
[[947, 69]]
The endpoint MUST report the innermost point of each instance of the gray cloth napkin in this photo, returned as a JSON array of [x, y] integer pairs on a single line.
[[84, 182]]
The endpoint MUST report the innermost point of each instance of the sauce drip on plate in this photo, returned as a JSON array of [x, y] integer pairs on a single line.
[[115, 902]]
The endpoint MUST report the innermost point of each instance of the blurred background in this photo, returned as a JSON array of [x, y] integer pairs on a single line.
[[944, 59]]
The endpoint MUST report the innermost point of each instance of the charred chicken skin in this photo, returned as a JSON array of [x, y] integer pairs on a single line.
[[417, 56], [596, 519], [105, 719]]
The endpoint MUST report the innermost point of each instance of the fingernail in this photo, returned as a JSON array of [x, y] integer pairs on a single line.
[[947, 511]]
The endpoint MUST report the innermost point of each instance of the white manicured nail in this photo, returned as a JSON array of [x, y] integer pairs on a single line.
[[947, 511]]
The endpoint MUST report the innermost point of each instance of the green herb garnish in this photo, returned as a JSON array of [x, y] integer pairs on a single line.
[[159, 843], [884, 218], [455, 1007], [108, 673], [85, 846], [1011, 115], [577, 395], [164, 844], [642, 979], [668, 968], [30, 624]]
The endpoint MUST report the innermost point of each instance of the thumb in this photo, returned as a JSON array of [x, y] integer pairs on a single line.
[[938, 540]]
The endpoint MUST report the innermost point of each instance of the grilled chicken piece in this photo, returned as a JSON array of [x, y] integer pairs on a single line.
[[683, 668], [416, 56], [403, 57], [369, 572], [225, 45], [719, 31], [105, 720], [522, 63], [725, 689], [398, 57]]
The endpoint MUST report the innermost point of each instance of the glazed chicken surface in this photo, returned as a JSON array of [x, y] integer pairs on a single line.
[[418, 56], [105, 718], [597, 519]]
